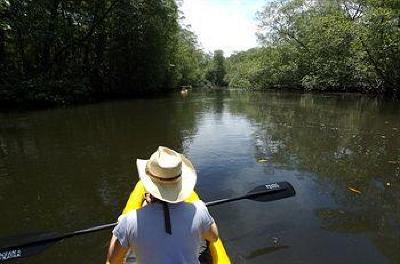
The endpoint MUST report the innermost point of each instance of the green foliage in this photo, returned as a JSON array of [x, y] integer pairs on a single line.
[[324, 45], [216, 72], [189, 61], [243, 69], [71, 51]]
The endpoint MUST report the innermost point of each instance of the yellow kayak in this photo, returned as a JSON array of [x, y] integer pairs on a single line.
[[218, 253]]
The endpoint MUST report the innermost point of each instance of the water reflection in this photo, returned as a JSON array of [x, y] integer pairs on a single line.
[[65, 169], [346, 142], [264, 251]]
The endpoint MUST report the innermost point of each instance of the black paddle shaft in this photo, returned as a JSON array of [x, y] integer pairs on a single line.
[[262, 193], [30, 245]]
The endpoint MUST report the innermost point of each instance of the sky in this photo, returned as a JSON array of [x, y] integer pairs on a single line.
[[229, 25]]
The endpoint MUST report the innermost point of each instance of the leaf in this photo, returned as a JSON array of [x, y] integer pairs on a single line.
[[354, 190]]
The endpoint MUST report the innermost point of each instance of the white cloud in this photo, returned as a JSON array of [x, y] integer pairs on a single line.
[[229, 25]]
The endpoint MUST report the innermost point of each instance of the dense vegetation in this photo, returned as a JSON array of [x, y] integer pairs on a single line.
[[215, 73], [324, 45], [56, 52]]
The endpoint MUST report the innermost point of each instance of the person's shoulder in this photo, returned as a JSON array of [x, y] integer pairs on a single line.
[[199, 204], [131, 215], [202, 214]]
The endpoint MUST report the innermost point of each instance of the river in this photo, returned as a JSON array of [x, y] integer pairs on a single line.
[[70, 168]]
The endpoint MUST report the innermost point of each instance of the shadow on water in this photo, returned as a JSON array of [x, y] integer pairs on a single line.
[[264, 251], [67, 169]]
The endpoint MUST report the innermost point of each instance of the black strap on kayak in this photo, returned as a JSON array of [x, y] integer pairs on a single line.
[[167, 219]]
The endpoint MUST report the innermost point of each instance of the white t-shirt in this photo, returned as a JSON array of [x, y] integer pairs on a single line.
[[143, 230]]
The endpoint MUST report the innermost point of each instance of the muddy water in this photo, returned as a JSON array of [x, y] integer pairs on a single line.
[[71, 168]]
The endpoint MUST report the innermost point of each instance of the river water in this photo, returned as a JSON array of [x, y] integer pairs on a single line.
[[71, 168]]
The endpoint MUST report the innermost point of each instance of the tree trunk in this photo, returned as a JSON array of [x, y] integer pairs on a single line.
[[99, 42], [21, 52], [2, 47], [49, 39]]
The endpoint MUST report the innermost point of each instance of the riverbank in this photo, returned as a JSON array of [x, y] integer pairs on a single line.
[[26, 105], [34, 105]]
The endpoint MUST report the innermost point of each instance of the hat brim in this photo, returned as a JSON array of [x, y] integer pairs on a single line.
[[174, 192]]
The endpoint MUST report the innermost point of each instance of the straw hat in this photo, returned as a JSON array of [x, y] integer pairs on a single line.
[[167, 175]]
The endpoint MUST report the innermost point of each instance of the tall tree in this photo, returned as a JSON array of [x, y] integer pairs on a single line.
[[217, 72]]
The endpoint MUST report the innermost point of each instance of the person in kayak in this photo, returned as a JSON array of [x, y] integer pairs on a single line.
[[167, 230]]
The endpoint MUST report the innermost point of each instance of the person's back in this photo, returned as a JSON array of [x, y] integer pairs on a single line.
[[167, 230], [144, 231]]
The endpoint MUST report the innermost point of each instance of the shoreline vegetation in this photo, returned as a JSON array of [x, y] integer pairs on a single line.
[[345, 46], [67, 52]]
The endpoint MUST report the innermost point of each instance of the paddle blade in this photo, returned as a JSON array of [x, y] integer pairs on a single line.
[[25, 246], [272, 192], [263, 193]]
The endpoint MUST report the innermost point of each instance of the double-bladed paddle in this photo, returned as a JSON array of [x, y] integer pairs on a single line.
[[29, 245]]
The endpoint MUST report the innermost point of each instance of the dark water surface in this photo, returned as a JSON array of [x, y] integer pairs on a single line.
[[67, 169]]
